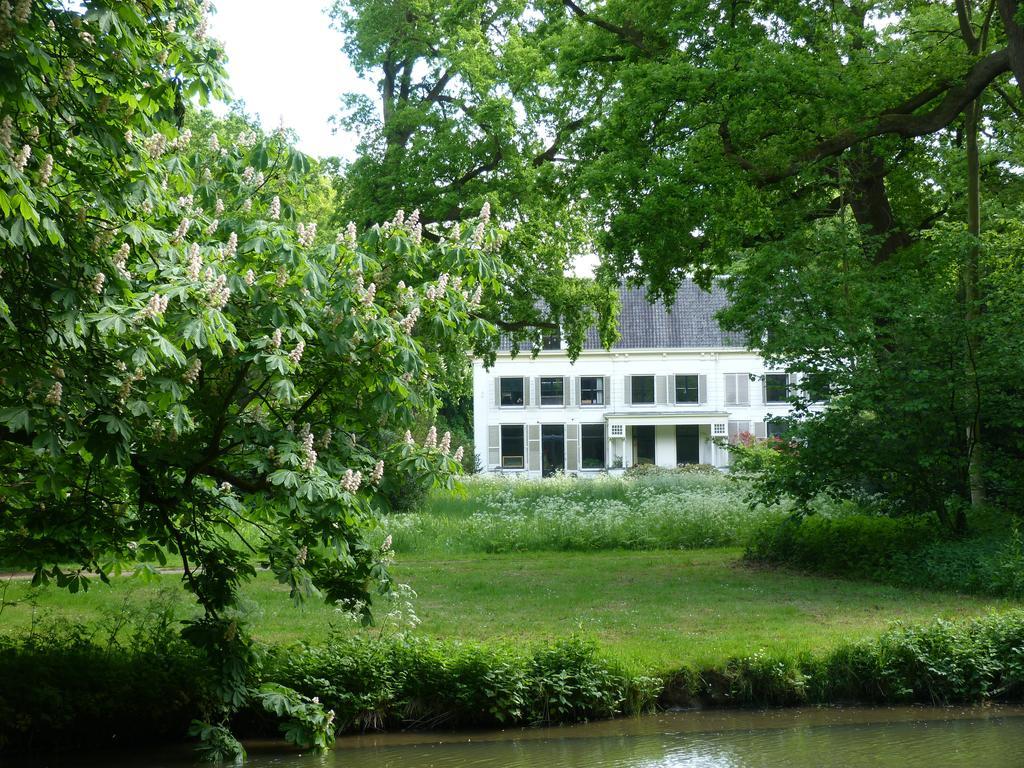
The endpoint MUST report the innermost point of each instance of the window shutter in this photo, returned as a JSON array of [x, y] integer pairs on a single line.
[[764, 389], [527, 390], [760, 430], [577, 394], [627, 396], [494, 445], [607, 391], [734, 432], [672, 388], [659, 389], [534, 447], [572, 450], [566, 391], [793, 380], [702, 389], [497, 390], [743, 389], [730, 389]]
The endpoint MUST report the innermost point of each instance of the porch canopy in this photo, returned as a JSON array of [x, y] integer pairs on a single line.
[[667, 417]]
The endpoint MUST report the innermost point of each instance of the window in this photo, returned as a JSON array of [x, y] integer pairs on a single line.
[[687, 389], [552, 390], [776, 387], [641, 389], [776, 430], [737, 389], [643, 445], [718, 430], [551, 341], [513, 446], [512, 391], [592, 445], [592, 390], [618, 430], [818, 388]]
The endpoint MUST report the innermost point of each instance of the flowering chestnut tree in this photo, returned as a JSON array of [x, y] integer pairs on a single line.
[[187, 366]]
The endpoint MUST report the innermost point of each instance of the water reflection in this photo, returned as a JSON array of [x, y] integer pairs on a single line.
[[850, 738]]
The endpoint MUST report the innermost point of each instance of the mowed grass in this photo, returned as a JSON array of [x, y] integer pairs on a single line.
[[653, 610]]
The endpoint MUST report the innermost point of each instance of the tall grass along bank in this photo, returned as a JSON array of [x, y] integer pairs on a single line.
[[661, 511]]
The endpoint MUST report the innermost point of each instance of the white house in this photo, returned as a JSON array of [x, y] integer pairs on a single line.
[[673, 383]]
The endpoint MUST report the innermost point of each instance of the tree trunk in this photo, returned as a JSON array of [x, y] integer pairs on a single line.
[[1008, 10], [972, 297]]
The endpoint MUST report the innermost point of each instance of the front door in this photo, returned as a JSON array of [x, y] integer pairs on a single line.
[[687, 444], [643, 445], [552, 449]]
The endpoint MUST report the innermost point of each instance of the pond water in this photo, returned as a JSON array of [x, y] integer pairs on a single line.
[[852, 738]]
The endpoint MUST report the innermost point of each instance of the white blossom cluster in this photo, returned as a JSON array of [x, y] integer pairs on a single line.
[[21, 159], [45, 170], [446, 443], [249, 174], [195, 262], [378, 472], [296, 354], [275, 208], [182, 230], [431, 440], [156, 145], [192, 372], [409, 321], [97, 282], [53, 397], [6, 132], [275, 339], [351, 481], [217, 292], [370, 294], [250, 277], [386, 544], [21, 13], [306, 233], [308, 452], [247, 139], [155, 307], [232, 247], [282, 277], [459, 452], [182, 139], [218, 207], [120, 259], [409, 440]]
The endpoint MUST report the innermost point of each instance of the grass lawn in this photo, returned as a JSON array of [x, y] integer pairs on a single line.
[[652, 609]]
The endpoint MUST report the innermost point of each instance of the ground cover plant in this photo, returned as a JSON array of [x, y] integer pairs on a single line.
[[663, 510]]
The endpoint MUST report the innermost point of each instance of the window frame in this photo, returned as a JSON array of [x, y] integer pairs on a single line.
[[501, 392], [787, 387], [603, 441], [561, 396], [696, 388], [598, 390], [501, 442], [632, 389]]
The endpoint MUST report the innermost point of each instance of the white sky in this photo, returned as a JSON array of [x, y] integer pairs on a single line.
[[284, 61]]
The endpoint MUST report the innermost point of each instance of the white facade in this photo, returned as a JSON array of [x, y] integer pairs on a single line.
[[698, 395]]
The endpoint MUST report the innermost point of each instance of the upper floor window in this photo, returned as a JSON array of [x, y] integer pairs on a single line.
[[512, 391], [737, 389], [513, 446], [551, 340], [776, 387], [687, 389], [817, 387], [552, 390], [641, 389], [592, 390]]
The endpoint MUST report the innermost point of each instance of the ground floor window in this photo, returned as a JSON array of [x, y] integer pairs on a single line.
[[776, 429], [592, 446], [643, 445], [552, 449], [687, 444], [513, 446]]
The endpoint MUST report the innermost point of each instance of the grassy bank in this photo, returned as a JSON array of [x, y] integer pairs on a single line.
[[647, 609]]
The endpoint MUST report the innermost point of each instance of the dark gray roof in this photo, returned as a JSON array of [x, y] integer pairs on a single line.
[[689, 323]]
